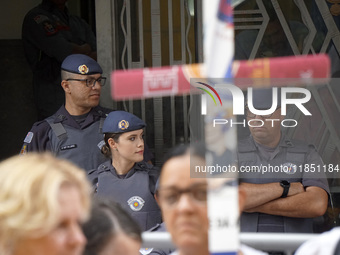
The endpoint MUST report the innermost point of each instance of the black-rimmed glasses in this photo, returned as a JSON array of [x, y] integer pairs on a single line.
[[91, 82], [171, 196]]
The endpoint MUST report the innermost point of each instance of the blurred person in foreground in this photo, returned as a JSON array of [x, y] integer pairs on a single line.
[[43, 202], [183, 201], [111, 230]]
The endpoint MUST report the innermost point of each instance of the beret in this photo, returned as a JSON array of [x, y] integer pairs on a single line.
[[121, 122], [81, 64], [263, 98]]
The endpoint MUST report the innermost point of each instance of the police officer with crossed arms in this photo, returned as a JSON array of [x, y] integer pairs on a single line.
[[284, 201]]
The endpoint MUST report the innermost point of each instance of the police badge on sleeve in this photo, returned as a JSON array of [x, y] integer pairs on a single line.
[[29, 137]]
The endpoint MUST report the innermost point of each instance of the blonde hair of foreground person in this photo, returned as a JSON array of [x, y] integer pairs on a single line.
[[29, 190]]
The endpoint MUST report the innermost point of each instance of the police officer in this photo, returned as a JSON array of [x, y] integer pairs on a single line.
[[126, 178], [287, 199], [74, 131], [49, 34]]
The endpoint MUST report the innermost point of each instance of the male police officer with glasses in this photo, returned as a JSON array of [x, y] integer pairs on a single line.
[[281, 196], [74, 131]]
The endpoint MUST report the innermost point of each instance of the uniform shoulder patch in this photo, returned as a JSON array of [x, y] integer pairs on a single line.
[[29, 137], [49, 28], [101, 144], [40, 18], [46, 23]]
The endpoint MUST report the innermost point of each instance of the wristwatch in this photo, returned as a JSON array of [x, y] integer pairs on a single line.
[[285, 185]]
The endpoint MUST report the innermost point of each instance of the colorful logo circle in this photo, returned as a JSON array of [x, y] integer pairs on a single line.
[[136, 203]]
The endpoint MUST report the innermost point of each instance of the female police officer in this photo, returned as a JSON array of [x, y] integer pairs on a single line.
[[126, 178]]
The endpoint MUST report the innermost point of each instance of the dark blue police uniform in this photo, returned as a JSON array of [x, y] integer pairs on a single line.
[[48, 36], [65, 138], [135, 190]]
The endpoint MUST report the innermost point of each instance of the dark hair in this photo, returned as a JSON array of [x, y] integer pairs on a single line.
[[196, 149], [66, 75], [177, 151], [107, 219], [106, 147]]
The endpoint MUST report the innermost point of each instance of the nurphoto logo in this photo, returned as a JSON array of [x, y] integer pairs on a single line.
[[239, 105]]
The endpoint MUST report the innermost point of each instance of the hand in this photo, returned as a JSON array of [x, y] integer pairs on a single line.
[[295, 188]]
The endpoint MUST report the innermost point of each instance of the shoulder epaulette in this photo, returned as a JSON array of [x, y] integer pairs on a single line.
[[57, 128]]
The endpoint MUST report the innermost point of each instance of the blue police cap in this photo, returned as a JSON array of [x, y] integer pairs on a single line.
[[263, 98], [81, 64], [121, 122]]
